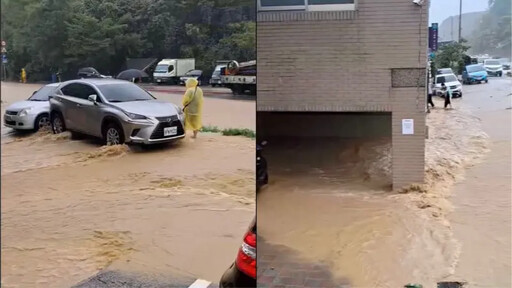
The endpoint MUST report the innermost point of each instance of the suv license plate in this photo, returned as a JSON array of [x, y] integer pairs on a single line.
[[170, 131]]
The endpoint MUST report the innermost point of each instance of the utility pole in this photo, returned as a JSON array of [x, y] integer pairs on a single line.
[[460, 21]]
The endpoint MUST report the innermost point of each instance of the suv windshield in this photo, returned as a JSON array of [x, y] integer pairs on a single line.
[[445, 71], [475, 68], [161, 68], [492, 62], [124, 92], [43, 94], [446, 79]]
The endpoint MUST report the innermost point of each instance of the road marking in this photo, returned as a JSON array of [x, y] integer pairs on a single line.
[[200, 283]]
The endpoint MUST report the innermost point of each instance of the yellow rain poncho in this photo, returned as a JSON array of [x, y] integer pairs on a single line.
[[23, 75], [193, 105]]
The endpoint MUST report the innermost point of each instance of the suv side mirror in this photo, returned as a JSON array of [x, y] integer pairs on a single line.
[[92, 98]]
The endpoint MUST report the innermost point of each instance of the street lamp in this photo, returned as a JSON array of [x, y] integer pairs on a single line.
[[460, 21]]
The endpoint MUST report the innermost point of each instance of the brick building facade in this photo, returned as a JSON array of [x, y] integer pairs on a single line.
[[347, 56]]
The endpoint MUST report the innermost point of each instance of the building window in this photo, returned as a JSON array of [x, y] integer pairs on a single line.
[[306, 5]]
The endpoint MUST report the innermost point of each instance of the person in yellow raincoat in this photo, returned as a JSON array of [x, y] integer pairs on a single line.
[[23, 75], [193, 106]]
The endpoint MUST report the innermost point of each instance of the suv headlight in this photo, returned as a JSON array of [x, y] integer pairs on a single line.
[[135, 116], [24, 112], [181, 116]]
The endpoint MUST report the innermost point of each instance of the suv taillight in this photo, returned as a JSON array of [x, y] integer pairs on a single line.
[[246, 259]]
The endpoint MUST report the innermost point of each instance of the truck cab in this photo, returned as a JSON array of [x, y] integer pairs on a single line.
[[170, 70]]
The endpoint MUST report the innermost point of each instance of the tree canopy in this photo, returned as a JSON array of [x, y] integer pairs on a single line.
[[451, 56], [46, 36]]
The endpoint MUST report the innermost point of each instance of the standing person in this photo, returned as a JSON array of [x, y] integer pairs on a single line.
[[23, 75], [429, 96], [447, 95], [193, 106]]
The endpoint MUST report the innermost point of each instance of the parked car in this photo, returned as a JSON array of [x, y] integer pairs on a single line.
[[196, 74], [493, 67], [474, 73], [90, 72], [215, 80], [506, 66], [33, 113], [115, 110], [444, 71], [449, 80], [242, 273], [261, 166]]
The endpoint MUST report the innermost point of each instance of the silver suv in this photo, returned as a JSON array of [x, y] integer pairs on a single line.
[[116, 111]]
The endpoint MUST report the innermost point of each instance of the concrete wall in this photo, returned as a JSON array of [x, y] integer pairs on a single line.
[[314, 124], [346, 61]]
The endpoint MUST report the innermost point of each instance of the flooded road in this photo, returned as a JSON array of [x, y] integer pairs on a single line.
[[71, 208], [329, 201], [482, 216]]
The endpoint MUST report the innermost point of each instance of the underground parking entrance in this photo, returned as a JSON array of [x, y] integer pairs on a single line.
[[347, 150], [329, 202]]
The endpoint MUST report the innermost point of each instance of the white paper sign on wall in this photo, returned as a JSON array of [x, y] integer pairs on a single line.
[[407, 126]]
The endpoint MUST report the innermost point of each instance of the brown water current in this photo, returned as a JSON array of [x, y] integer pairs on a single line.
[[330, 200], [71, 208]]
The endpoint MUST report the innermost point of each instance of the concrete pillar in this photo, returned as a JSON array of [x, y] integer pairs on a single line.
[[408, 151]]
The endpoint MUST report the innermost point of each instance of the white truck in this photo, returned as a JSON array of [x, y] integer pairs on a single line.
[[170, 70], [239, 77]]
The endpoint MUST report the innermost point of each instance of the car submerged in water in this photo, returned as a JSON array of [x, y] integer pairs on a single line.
[[474, 73], [33, 113], [116, 111]]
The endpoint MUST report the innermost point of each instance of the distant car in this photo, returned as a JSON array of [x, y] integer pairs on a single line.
[[445, 71], [493, 67], [449, 80], [506, 66], [90, 72], [215, 80], [196, 74], [474, 73], [115, 110], [242, 273], [33, 113]]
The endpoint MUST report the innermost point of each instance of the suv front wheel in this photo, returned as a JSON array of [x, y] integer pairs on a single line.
[[113, 135], [57, 122]]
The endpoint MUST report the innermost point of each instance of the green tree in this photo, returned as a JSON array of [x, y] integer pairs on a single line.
[[452, 56], [49, 35]]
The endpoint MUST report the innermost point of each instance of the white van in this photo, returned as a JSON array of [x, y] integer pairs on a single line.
[[170, 70], [493, 67]]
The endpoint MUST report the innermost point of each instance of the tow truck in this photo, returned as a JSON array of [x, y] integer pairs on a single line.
[[239, 77]]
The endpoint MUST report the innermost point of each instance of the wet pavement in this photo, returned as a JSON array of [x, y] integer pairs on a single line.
[[281, 267], [116, 279], [72, 208]]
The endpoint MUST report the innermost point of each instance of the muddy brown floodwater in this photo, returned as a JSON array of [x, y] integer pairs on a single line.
[[71, 208], [330, 201]]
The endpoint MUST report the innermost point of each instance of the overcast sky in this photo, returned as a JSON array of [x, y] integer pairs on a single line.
[[442, 9]]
